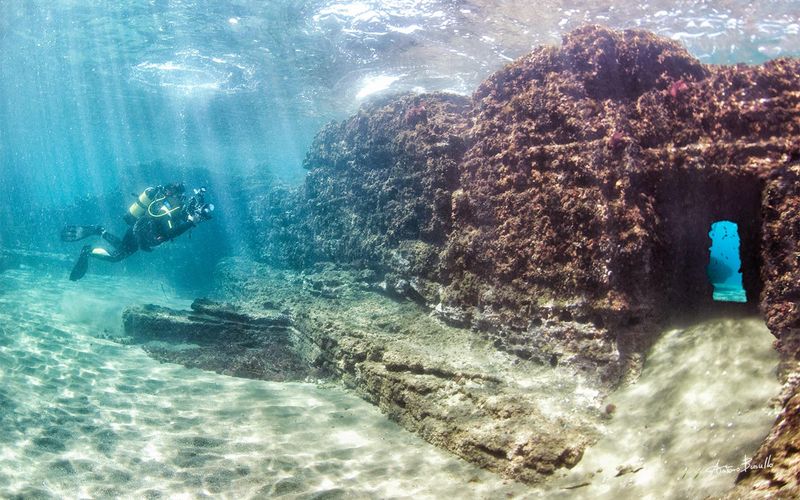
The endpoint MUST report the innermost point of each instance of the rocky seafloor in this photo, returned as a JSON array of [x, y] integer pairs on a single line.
[[446, 384], [558, 218], [83, 415]]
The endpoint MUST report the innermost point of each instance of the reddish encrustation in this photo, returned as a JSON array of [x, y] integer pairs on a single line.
[[677, 88], [616, 139], [416, 114]]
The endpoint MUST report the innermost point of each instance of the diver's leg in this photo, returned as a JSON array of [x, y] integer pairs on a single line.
[[123, 249], [75, 233], [130, 243], [108, 256], [126, 244], [112, 239]]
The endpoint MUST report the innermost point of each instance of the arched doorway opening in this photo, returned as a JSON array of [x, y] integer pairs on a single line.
[[724, 267]]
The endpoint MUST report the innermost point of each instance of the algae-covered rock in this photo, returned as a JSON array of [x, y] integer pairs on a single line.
[[221, 338], [385, 177], [563, 211], [573, 192]]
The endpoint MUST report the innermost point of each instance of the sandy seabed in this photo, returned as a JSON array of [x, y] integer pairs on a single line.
[[82, 416], [701, 407]]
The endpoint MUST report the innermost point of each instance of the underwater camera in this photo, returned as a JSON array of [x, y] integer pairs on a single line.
[[198, 205]]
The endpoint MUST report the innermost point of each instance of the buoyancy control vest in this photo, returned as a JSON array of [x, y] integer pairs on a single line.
[[154, 202]]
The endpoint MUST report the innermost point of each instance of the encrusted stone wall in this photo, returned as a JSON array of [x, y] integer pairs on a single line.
[[386, 176], [564, 209]]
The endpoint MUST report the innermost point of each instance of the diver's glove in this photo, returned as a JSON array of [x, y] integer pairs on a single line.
[[201, 212], [205, 211], [198, 209]]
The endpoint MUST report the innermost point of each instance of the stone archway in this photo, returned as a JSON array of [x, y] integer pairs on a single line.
[[688, 201]]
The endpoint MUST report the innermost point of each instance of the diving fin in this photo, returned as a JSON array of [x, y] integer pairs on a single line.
[[82, 265], [75, 233]]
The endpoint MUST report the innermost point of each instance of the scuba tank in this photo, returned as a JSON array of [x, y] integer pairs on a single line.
[[140, 206], [155, 203]]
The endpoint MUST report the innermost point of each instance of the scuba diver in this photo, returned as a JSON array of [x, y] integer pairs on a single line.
[[159, 214]]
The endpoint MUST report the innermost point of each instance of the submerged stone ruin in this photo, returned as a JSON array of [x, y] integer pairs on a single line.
[[565, 209], [563, 212], [449, 386]]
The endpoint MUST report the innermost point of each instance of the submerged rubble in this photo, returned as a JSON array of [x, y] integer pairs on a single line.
[[218, 337], [563, 212], [447, 385]]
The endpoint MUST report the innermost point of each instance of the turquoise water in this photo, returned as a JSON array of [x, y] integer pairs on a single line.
[[101, 99], [725, 262], [92, 88]]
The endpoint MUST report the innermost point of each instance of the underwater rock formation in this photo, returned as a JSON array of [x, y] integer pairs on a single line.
[[385, 176], [219, 338], [564, 210], [276, 216], [442, 383], [595, 173], [379, 188]]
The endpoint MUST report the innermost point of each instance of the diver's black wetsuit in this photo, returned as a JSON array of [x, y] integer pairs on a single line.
[[123, 248], [160, 214], [144, 234]]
